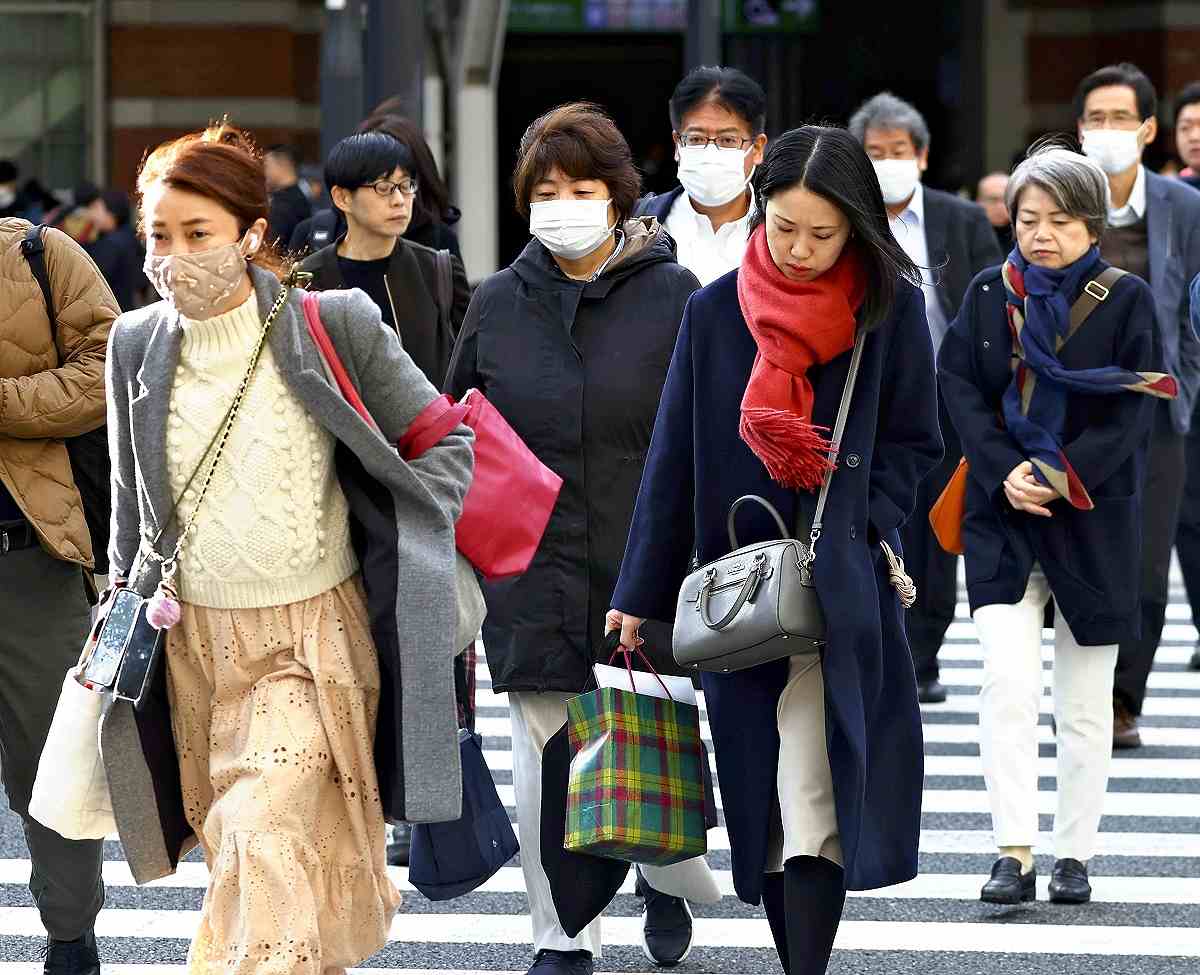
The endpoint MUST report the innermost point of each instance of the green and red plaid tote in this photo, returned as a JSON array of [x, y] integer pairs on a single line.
[[636, 789]]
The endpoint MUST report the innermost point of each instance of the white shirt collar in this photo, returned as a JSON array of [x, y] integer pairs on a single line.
[[916, 207], [739, 226], [1135, 208]]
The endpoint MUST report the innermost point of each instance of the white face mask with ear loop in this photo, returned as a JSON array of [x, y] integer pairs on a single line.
[[570, 229], [1114, 149], [713, 176]]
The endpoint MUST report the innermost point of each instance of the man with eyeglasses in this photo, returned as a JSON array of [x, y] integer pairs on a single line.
[[1152, 232], [718, 116], [421, 292]]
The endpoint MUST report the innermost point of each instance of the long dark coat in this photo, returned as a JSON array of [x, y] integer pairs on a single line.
[[698, 466], [402, 525], [577, 369], [1086, 555]]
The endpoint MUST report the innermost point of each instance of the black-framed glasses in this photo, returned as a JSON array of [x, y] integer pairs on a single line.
[[386, 187], [698, 140]]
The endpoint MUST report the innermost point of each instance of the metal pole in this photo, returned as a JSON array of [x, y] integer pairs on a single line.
[[341, 72], [395, 55], [703, 42]]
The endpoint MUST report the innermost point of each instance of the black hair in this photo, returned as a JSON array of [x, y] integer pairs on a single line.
[[8, 171], [364, 158], [1126, 74], [287, 152], [728, 87], [117, 203], [832, 163], [85, 193], [1190, 95], [432, 202]]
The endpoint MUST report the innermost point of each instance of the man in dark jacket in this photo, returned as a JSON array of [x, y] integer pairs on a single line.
[[421, 293], [951, 240], [718, 121], [1154, 232], [289, 205], [116, 249]]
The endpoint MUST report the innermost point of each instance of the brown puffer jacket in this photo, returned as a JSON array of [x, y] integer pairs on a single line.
[[51, 382]]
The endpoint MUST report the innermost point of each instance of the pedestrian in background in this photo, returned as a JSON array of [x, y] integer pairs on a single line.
[[1187, 133], [1057, 447], [52, 389], [116, 249], [819, 756], [289, 204], [433, 215], [990, 194], [718, 120], [950, 240], [272, 684], [571, 344], [1154, 232], [370, 178]]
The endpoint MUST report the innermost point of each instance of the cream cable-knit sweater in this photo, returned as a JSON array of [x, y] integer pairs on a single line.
[[274, 526]]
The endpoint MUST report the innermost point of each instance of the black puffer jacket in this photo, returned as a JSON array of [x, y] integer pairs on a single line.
[[577, 369]]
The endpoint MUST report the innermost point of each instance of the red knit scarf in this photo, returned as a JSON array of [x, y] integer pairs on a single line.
[[795, 324]]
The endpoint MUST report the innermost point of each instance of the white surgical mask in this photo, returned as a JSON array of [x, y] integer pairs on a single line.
[[570, 229], [1114, 149], [711, 175], [898, 178]]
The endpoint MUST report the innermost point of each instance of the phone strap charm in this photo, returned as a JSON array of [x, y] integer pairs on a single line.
[[162, 612]]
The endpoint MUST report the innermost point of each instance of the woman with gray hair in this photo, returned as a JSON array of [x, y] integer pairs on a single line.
[[1049, 376]]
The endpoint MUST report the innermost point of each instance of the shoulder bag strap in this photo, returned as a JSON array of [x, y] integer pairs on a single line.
[[34, 249], [835, 445], [1094, 292]]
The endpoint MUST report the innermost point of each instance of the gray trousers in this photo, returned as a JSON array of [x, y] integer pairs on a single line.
[[44, 619]]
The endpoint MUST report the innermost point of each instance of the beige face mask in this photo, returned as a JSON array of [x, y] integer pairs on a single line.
[[197, 284]]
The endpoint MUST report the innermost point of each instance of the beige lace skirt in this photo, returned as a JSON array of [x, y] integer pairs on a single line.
[[274, 718]]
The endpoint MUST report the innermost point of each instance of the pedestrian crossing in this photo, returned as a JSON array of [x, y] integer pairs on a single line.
[[1144, 920]]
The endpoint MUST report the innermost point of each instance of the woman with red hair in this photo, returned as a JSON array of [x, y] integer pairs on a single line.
[[239, 501]]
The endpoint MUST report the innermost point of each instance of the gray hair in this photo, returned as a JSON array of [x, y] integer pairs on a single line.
[[1076, 183], [886, 111]]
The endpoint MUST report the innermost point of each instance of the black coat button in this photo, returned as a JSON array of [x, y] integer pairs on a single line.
[[853, 460]]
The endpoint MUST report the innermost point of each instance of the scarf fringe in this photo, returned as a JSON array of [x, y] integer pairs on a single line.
[[794, 451]]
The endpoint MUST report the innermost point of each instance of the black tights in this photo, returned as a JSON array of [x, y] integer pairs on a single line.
[[804, 907]]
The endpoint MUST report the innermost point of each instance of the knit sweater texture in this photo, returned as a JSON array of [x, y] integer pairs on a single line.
[[273, 527]]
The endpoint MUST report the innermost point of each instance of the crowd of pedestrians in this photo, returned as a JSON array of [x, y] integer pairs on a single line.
[[1026, 361]]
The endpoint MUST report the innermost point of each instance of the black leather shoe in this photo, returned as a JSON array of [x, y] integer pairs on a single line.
[[78, 957], [1008, 885], [399, 845], [1069, 883], [931, 692], [551, 962], [1194, 663], [666, 926]]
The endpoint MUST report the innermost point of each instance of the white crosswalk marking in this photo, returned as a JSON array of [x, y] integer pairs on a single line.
[[1145, 918]]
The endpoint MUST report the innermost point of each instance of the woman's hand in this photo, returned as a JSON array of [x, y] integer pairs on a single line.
[[1026, 493], [628, 625]]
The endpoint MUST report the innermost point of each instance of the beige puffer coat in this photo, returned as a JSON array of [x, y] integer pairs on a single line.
[[51, 382]]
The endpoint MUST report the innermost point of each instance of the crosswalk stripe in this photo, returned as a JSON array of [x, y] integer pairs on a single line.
[[513, 929]]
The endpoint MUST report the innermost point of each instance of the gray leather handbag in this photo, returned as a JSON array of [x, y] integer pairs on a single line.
[[758, 603]]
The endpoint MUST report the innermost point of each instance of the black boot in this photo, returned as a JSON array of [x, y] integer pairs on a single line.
[[773, 903], [815, 893], [78, 957]]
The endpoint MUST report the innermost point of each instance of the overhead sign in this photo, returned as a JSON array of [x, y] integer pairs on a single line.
[[577, 16], [770, 16]]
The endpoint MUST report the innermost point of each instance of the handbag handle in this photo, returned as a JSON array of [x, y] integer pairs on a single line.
[[746, 595], [730, 522], [835, 445]]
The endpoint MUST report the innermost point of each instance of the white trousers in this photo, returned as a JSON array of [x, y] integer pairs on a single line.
[[1009, 704], [535, 719]]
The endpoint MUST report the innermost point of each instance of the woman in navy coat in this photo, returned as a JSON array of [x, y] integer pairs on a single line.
[[1055, 413], [820, 759]]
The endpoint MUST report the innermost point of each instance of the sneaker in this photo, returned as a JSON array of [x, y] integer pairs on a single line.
[[551, 962], [78, 957], [666, 926], [1125, 727], [399, 845]]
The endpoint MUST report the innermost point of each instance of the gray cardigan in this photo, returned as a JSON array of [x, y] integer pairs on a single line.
[[426, 493]]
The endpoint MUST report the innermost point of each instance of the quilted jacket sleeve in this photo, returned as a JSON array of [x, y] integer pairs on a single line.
[[67, 400]]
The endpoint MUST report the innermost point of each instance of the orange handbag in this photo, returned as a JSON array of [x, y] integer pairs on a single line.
[[946, 515]]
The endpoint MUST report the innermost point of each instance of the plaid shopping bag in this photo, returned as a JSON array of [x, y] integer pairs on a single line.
[[636, 788]]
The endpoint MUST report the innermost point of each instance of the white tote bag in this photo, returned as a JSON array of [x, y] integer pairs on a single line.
[[70, 793]]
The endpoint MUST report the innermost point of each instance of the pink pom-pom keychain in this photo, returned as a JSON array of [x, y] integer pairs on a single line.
[[163, 611]]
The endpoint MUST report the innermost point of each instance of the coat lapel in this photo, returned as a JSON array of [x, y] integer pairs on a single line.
[[148, 415], [936, 235], [1158, 228]]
